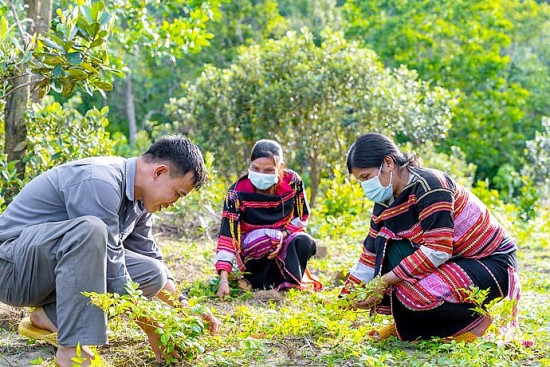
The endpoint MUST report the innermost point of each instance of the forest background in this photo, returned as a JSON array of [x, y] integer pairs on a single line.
[[463, 84]]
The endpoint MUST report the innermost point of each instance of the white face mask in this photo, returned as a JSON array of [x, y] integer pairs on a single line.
[[375, 191], [262, 181]]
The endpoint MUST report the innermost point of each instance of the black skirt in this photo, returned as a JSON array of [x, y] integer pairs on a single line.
[[285, 271], [449, 318]]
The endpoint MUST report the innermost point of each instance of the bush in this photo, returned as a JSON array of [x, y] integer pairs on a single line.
[[56, 134], [199, 214]]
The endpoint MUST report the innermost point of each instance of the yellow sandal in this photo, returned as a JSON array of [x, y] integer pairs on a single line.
[[384, 332], [29, 331], [466, 337]]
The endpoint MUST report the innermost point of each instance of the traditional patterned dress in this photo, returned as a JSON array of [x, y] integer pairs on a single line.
[[441, 240], [252, 227]]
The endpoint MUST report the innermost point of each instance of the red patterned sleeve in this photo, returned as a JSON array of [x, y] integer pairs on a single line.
[[435, 208], [228, 241]]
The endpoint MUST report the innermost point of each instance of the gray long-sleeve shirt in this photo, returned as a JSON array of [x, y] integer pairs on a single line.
[[102, 187]]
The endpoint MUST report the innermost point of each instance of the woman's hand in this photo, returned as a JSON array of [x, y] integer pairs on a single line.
[[223, 289], [275, 252], [381, 285], [371, 301]]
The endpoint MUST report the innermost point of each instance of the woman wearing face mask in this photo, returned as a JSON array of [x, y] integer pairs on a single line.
[[430, 241], [263, 226]]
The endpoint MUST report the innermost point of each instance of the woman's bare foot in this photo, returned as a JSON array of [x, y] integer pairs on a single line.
[[244, 284], [39, 319], [64, 356]]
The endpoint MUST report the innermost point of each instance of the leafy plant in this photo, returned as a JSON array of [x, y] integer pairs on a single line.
[[73, 53], [179, 328], [200, 213], [363, 291]]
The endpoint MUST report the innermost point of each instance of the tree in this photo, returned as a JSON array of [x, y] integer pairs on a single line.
[[74, 54], [494, 52], [313, 99], [154, 34], [68, 56]]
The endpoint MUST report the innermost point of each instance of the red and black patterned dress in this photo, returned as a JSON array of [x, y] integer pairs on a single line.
[[252, 226], [441, 240]]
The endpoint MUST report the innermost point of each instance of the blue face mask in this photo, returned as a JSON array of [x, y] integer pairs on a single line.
[[375, 191], [262, 181]]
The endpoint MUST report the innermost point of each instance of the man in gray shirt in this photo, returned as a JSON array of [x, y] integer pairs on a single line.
[[85, 226]]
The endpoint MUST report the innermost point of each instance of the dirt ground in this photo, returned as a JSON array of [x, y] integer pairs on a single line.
[[14, 350]]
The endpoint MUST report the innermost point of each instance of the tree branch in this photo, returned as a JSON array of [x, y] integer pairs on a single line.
[[22, 33], [8, 78], [21, 86]]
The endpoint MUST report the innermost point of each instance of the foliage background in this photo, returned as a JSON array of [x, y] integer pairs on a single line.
[[464, 85]]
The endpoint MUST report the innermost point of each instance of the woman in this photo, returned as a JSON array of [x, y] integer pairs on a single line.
[[431, 240], [263, 226]]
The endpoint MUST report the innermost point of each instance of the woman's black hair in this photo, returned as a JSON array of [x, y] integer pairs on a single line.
[[370, 150], [267, 149]]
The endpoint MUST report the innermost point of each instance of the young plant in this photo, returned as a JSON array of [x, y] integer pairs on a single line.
[[363, 291], [179, 328]]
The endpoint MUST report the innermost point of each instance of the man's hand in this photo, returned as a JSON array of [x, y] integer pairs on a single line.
[[214, 323], [149, 328]]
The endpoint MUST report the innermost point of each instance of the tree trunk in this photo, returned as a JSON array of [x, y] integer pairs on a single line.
[[40, 11], [16, 103], [15, 124], [130, 110], [315, 177]]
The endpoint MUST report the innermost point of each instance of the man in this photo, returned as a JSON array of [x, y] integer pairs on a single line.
[[85, 226]]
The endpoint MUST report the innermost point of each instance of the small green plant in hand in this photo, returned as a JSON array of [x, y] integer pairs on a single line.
[[179, 328], [363, 291]]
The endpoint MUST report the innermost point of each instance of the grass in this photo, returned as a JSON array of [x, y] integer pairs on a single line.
[[308, 329]]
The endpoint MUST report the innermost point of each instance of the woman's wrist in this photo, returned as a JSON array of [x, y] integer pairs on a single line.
[[224, 281]]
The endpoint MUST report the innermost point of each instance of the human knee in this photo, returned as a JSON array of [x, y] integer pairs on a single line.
[[154, 281], [94, 231], [94, 225], [305, 244]]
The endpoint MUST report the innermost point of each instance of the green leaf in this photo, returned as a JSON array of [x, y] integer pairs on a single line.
[[83, 25], [68, 87], [52, 44], [74, 30], [56, 86], [96, 9], [20, 146], [3, 27], [57, 71], [94, 28], [105, 17], [78, 74], [43, 90], [97, 42], [74, 58], [106, 86], [86, 12], [86, 66], [60, 28], [56, 155], [53, 60]]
